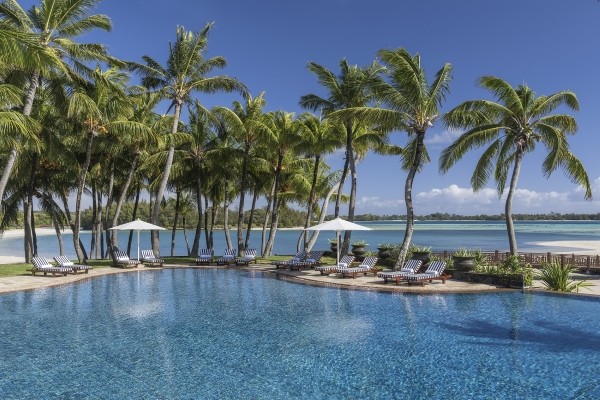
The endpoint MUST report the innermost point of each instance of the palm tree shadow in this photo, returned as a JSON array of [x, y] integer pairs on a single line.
[[546, 335]]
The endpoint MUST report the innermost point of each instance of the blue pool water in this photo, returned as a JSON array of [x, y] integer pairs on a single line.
[[226, 334]]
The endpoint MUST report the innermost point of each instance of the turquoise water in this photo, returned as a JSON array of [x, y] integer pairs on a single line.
[[227, 334], [440, 235]]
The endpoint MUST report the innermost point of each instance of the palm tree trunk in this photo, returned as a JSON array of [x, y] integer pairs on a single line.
[[266, 221], [226, 224], [315, 234], [273, 231], [134, 215], [80, 187], [93, 241], [198, 233], [338, 197], [185, 238], [175, 218], [243, 188], [124, 192], [108, 234], [213, 216], [30, 248], [410, 215], [276, 206], [56, 225], [163, 183], [510, 228], [14, 152], [100, 243], [251, 217], [28, 242], [352, 202], [209, 243], [311, 200]]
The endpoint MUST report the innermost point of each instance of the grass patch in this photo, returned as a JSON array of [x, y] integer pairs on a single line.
[[17, 269]]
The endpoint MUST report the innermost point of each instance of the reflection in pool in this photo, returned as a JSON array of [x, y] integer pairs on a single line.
[[214, 334]]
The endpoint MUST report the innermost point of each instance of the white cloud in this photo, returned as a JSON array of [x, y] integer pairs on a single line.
[[454, 199], [445, 137]]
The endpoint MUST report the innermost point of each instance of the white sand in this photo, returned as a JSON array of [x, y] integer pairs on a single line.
[[585, 247], [16, 233]]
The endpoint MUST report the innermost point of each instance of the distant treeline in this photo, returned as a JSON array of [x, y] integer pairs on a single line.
[[292, 218], [553, 216]]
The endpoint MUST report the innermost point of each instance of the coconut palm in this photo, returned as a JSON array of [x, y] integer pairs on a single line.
[[101, 108], [287, 136], [410, 104], [349, 89], [54, 24], [321, 138], [185, 72], [247, 125], [512, 127]]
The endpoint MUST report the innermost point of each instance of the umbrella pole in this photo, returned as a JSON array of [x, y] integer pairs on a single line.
[[138, 237], [337, 259]]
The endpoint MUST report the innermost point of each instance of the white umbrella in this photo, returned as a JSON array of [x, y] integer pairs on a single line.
[[338, 225], [137, 225]]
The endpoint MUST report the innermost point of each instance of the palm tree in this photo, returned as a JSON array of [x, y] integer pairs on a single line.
[[512, 127], [349, 89], [287, 134], [246, 124], [185, 72], [410, 104], [54, 24], [101, 108], [321, 138]]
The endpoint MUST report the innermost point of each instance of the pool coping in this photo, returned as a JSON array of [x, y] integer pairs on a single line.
[[27, 282]]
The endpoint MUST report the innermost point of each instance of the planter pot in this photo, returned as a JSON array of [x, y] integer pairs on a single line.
[[421, 255], [383, 253], [359, 251], [464, 263]]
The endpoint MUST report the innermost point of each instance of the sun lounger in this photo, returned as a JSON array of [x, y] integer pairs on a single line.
[[435, 270], [313, 259], [121, 259], [204, 257], [409, 268], [150, 259], [300, 256], [40, 264], [63, 261], [368, 265], [249, 256], [344, 263], [227, 258]]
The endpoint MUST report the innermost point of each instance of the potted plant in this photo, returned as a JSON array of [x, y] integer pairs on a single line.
[[384, 250], [465, 260], [358, 249], [333, 245], [422, 253]]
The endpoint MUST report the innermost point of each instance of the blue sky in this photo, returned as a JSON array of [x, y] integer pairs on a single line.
[[550, 45]]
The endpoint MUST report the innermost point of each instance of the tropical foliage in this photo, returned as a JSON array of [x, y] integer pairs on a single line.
[[557, 277], [73, 127], [512, 127]]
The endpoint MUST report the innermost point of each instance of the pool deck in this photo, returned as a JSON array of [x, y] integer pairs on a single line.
[[370, 282]]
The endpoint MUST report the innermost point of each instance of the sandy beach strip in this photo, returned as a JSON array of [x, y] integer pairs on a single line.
[[584, 247]]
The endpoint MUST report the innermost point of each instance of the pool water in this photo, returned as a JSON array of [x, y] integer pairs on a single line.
[[226, 334]]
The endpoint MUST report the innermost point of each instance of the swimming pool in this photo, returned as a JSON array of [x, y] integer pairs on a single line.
[[216, 334]]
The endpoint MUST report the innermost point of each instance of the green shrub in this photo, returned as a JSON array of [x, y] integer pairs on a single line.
[[557, 277]]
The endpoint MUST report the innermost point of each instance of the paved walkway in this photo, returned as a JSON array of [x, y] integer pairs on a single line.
[[28, 281]]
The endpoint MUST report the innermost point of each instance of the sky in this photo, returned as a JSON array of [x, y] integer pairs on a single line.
[[550, 45]]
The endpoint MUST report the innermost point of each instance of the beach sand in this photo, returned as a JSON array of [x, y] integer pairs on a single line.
[[16, 233]]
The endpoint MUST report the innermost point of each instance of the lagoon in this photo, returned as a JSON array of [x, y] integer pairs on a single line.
[[440, 235]]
